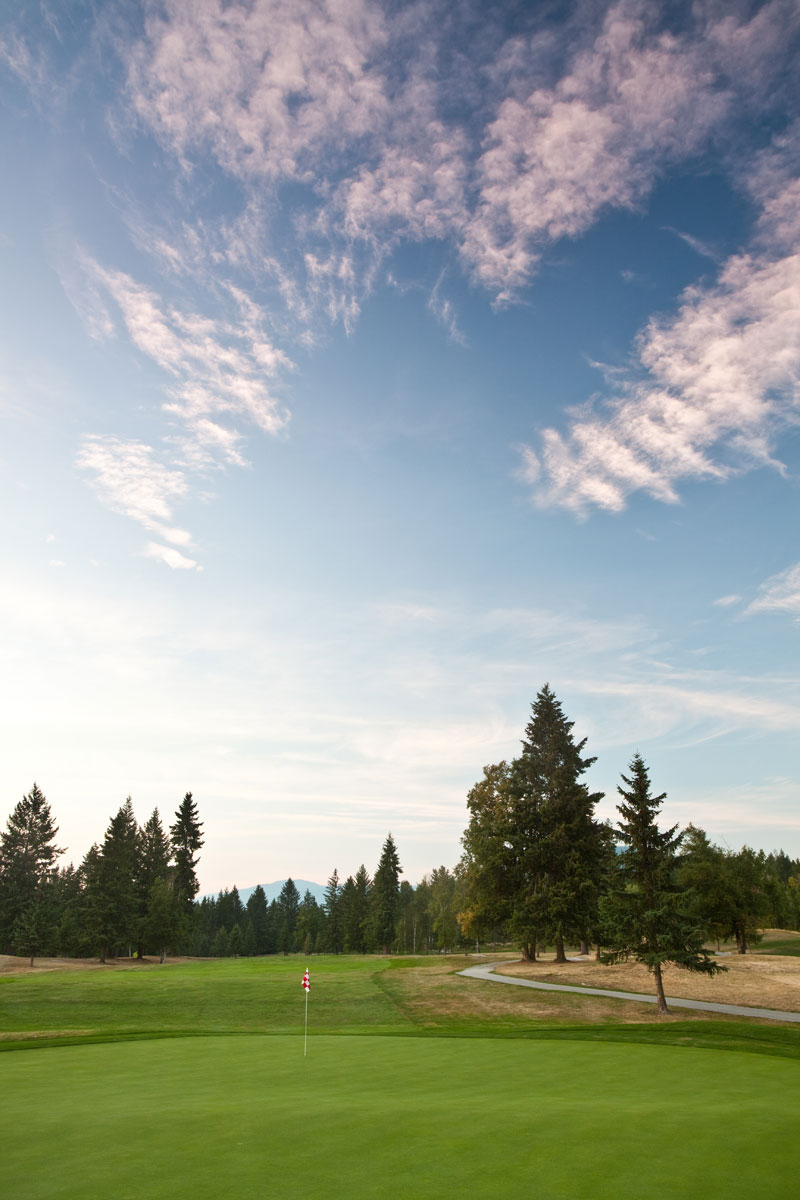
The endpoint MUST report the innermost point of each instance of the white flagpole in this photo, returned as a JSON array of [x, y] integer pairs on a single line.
[[306, 989]]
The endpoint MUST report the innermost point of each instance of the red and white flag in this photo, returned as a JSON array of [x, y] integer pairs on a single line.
[[306, 984]]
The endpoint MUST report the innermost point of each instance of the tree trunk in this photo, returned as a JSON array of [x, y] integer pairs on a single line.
[[560, 955], [529, 952], [597, 953], [584, 947], [662, 1000], [32, 958]]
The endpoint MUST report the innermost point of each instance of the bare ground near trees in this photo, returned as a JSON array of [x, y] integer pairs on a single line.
[[13, 964]]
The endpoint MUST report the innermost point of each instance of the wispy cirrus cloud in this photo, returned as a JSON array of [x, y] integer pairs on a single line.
[[169, 556], [710, 389], [216, 371], [130, 479], [780, 593]]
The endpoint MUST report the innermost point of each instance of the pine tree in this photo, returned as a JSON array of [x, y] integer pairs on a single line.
[[309, 920], [237, 941], [186, 835], [152, 868], [334, 934], [385, 895], [34, 924], [533, 852], [27, 859], [114, 897], [257, 916], [289, 905], [221, 944], [648, 918], [567, 839], [162, 924], [356, 912]]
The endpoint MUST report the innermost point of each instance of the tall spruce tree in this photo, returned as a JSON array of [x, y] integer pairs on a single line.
[[648, 918], [28, 856], [113, 894], [356, 912], [257, 915], [533, 850], [152, 868], [567, 839], [385, 896], [334, 934], [288, 905], [186, 835]]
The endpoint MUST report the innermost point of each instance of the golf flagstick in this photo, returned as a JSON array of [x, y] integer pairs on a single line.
[[306, 989]]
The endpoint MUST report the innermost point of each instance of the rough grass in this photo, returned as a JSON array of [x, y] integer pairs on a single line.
[[420, 997]]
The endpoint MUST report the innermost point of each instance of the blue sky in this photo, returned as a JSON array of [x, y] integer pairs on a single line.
[[366, 366]]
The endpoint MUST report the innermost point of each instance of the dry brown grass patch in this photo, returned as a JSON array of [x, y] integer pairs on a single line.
[[758, 981], [435, 995]]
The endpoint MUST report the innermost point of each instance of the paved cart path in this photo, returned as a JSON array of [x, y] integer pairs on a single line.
[[485, 971]]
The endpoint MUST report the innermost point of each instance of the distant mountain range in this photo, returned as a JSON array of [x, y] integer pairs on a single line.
[[273, 890]]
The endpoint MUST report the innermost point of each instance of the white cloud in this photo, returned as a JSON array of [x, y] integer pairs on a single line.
[[445, 313], [218, 366], [779, 593], [349, 102], [215, 371], [722, 379], [727, 601], [267, 86], [129, 478], [170, 556], [554, 158]]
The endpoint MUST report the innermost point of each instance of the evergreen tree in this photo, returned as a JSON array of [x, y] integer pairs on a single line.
[[442, 909], [385, 896], [257, 916], [648, 917], [163, 921], [152, 867], [567, 840], [334, 934], [533, 850], [249, 946], [288, 905], [186, 835], [221, 945], [27, 860], [356, 912], [114, 896], [69, 896], [35, 923], [236, 941], [404, 933], [309, 921]]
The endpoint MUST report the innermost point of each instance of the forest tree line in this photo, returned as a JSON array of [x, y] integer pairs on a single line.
[[538, 869]]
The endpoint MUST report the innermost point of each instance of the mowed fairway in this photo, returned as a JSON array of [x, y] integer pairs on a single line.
[[246, 1115]]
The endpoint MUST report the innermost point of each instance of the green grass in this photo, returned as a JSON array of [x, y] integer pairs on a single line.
[[367, 1116], [778, 941], [406, 1090]]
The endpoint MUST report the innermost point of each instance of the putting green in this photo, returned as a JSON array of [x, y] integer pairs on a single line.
[[248, 1116]]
